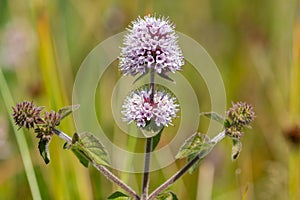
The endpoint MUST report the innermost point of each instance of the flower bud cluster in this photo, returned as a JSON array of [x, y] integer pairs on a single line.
[[51, 120], [27, 115], [240, 115]]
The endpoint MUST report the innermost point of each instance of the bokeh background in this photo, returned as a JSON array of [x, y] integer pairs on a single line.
[[255, 44]]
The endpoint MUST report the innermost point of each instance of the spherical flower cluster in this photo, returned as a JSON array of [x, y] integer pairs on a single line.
[[27, 114], [241, 113], [138, 107], [150, 44], [51, 119]]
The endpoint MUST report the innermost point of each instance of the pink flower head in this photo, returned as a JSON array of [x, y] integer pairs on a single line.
[[150, 44]]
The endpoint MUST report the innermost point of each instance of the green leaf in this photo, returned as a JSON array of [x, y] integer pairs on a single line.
[[151, 129], [44, 149], [198, 145], [166, 196], [156, 139], [81, 156], [65, 111], [236, 149], [196, 165], [118, 196], [193, 145], [174, 197], [214, 116], [90, 147], [202, 153], [227, 124]]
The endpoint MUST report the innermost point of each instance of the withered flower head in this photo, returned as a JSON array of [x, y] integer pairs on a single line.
[[26, 114], [51, 119], [241, 113], [234, 132]]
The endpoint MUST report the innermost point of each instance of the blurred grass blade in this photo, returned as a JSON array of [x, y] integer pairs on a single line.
[[21, 141], [295, 74]]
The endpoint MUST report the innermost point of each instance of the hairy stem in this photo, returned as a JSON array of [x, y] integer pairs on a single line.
[[146, 179], [145, 186], [108, 174], [183, 170], [63, 136]]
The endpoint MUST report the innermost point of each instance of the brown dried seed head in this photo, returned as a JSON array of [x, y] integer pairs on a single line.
[[26, 114]]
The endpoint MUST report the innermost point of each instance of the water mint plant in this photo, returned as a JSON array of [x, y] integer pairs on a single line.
[[150, 48]]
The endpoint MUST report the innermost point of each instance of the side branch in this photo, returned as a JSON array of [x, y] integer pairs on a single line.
[[183, 170], [108, 174]]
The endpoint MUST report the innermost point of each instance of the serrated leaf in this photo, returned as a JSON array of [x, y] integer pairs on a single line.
[[198, 145], [193, 145], [214, 116], [65, 111], [118, 196], [156, 140], [82, 157], [202, 153], [44, 149], [236, 149], [84, 160], [195, 166], [92, 148]]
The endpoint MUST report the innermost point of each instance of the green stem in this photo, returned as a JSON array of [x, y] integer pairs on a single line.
[[21, 141], [183, 170]]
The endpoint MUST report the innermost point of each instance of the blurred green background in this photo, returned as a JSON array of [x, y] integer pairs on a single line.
[[255, 44]]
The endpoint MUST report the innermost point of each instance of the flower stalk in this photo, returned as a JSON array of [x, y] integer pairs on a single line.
[[146, 179], [148, 148]]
